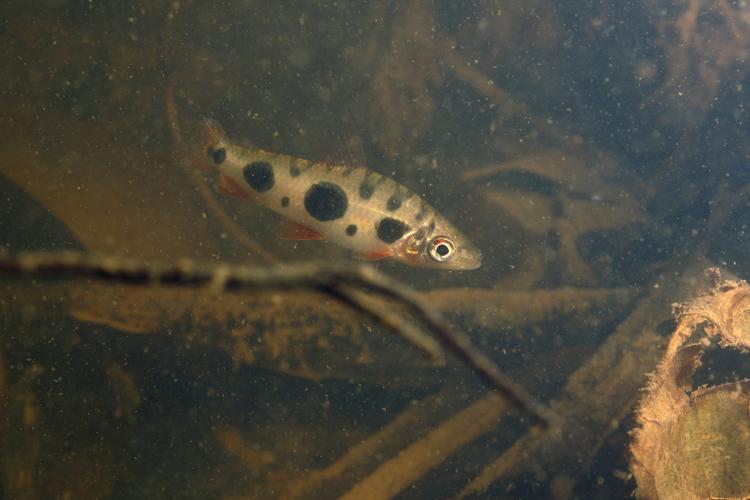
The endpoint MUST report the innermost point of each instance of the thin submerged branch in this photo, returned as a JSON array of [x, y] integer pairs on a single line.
[[379, 310], [334, 279], [597, 397]]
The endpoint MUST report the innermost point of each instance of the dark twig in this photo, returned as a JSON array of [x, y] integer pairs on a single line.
[[368, 304], [334, 279], [601, 392]]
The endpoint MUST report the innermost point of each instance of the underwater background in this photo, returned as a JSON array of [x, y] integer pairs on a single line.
[[595, 151]]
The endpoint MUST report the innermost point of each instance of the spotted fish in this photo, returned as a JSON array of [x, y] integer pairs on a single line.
[[357, 208]]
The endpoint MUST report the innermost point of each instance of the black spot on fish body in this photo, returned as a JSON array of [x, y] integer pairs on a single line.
[[285, 201], [369, 183], [366, 191], [422, 211], [351, 230], [366, 187], [259, 176], [326, 201], [391, 230], [217, 155], [420, 234], [298, 165], [394, 202], [432, 226]]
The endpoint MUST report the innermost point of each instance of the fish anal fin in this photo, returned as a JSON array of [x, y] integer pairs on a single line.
[[228, 186], [378, 254], [294, 231]]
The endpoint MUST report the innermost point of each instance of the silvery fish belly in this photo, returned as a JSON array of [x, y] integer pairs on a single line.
[[354, 207]]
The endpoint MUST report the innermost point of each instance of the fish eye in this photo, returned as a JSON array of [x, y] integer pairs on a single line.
[[442, 249]]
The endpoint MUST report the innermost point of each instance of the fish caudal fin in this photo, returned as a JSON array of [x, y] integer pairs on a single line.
[[211, 139], [197, 148], [213, 132]]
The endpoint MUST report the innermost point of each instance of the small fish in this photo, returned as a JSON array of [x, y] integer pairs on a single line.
[[357, 208]]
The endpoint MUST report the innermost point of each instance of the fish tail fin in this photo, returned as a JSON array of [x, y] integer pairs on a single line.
[[214, 142], [202, 143], [203, 146], [213, 132]]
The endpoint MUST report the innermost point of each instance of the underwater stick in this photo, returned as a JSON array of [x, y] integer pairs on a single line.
[[333, 279]]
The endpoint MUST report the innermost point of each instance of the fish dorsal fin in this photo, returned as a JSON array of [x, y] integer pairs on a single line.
[[349, 152], [291, 230], [347, 147], [191, 144]]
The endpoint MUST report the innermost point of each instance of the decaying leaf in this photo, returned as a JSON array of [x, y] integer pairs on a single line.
[[695, 443], [726, 309]]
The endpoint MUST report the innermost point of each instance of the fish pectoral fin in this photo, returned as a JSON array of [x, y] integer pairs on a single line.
[[293, 231], [378, 254], [229, 187]]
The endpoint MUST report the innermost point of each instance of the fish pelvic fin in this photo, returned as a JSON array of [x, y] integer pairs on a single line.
[[231, 188], [291, 230], [380, 254]]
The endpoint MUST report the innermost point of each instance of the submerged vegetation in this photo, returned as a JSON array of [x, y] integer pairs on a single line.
[[595, 152]]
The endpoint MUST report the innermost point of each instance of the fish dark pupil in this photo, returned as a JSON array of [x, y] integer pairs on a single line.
[[390, 230], [259, 176], [442, 250], [326, 201]]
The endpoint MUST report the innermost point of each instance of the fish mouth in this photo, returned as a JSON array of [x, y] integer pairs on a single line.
[[469, 260], [476, 265], [471, 266], [460, 264]]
